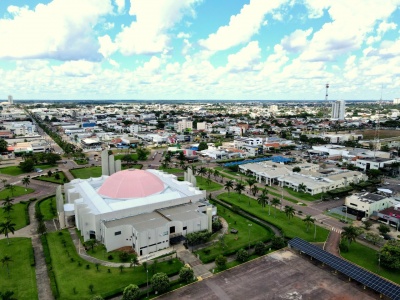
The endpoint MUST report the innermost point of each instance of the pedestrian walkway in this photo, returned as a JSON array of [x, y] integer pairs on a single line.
[[200, 271], [332, 243]]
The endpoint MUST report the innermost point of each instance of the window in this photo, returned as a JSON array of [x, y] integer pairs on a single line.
[[172, 229], [117, 233], [184, 228]]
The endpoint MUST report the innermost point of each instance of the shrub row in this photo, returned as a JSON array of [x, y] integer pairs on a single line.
[[50, 272], [32, 259]]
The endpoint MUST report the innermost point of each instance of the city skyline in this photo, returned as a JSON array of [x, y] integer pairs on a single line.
[[193, 49]]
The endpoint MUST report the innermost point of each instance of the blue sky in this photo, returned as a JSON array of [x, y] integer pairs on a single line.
[[200, 49]]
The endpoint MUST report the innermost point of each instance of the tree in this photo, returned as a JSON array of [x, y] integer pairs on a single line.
[[263, 200], [97, 297], [260, 248], [372, 173], [373, 238], [49, 173], [239, 188], [6, 228], [7, 206], [217, 174], [350, 234], [277, 242], [251, 182], [90, 243], [302, 187], [242, 255], [41, 229], [383, 229], [254, 190], [275, 202], [57, 176], [26, 181], [203, 146], [3, 145], [11, 187], [186, 274], [296, 169], [289, 211], [202, 171], [27, 165], [134, 260], [131, 292], [367, 225], [128, 159], [220, 262], [142, 153], [5, 260], [228, 185], [390, 255], [160, 282], [308, 220]]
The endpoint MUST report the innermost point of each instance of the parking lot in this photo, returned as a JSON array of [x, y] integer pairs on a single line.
[[281, 275]]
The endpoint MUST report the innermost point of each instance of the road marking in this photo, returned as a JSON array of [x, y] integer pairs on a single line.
[[336, 230]]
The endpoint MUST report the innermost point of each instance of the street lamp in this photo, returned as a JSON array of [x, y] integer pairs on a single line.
[[315, 230], [249, 235], [345, 220]]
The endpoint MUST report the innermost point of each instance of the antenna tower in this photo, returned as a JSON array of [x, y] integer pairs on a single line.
[[326, 103], [378, 125]]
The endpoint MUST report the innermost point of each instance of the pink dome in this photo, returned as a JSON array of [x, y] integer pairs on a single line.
[[131, 184]]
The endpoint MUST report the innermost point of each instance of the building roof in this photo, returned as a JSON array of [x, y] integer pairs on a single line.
[[131, 184]]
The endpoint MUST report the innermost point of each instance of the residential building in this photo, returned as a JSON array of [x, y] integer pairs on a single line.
[[338, 109], [183, 124]]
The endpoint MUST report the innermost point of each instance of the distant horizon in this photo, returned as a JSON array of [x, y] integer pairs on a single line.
[[199, 49]]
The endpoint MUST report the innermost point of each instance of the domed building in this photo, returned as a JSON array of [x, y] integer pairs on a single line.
[[144, 209]]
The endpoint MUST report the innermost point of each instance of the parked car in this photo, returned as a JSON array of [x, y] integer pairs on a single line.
[[39, 170], [388, 237]]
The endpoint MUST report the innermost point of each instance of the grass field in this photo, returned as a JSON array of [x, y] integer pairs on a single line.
[[22, 279], [171, 170], [368, 259], [46, 208], [69, 274], [100, 252], [120, 156], [303, 196], [15, 170], [246, 234], [209, 187], [52, 178], [19, 191], [18, 215], [85, 173], [291, 228], [370, 134]]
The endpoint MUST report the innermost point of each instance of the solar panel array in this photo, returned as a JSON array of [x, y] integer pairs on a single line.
[[275, 159], [364, 277]]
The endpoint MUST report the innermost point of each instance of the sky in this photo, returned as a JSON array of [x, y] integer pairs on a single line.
[[200, 49]]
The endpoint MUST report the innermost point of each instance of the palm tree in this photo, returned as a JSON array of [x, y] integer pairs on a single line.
[[263, 200], [5, 260], [254, 190], [216, 174], [251, 182], [289, 211], [202, 171], [350, 233], [11, 188], [228, 185], [209, 173], [275, 202], [239, 188], [194, 169], [308, 220], [7, 206], [7, 227], [302, 187], [26, 181], [182, 164]]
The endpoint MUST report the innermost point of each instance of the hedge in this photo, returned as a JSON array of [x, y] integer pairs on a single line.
[[50, 272]]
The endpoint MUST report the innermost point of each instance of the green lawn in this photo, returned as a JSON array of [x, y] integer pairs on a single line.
[[22, 279], [120, 156], [85, 173], [81, 161], [69, 274], [19, 191], [204, 185], [303, 196], [171, 170], [246, 234], [15, 170], [100, 252], [279, 195], [291, 228], [18, 215], [368, 259], [46, 208], [52, 178], [127, 167]]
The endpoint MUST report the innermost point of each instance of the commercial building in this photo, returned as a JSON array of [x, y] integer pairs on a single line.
[[183, 124], [142, 209], [396, 101], [365, 204], [338, 110]]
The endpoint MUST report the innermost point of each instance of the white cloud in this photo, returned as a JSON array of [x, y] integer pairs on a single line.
[[297, 40], [242, 26], [183, 35], [382, 29], [78, 68], [149, 33], [108, 25], [316, 8], [107, 47], [277, 16], [186, 47], [351, 22], [61, 30], [113, 63], [246, 59], [120, 5]]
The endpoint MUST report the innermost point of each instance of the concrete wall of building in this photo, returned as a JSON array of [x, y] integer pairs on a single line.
[[117, 237]]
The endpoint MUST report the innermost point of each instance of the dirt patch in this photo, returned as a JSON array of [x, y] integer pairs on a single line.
[[127, 249], [370, 134]]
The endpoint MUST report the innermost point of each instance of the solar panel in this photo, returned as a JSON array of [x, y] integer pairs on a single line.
[[276, 159], [351, 270]]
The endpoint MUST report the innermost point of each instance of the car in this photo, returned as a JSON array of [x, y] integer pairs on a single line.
[[336, 198], [235, 231], [39, 170], [388, 237]]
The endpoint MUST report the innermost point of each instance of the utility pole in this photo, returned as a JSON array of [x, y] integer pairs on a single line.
[[249, 235]]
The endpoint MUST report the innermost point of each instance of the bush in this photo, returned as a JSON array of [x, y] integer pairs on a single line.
[[160, 282], [343, 247], [131, 292], [124, 256], [216, 225], [260, 248], [278, 243], [186, 274], [110, 257], [242, 255], [220, 262], [199, 237]]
